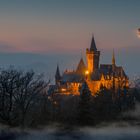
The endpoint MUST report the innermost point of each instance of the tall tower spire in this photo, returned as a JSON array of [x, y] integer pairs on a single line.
[[93, 44], [57, 76], [113, 58], [93, 56]]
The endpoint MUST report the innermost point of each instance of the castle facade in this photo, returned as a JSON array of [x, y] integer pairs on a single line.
[[95, 74]]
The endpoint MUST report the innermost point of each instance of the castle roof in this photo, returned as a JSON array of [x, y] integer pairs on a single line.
[[93, 45], [95, 75], [107, 69], [72, 77], [81, 67]]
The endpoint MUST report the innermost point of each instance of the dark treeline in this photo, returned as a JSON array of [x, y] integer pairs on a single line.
[[24, 102], [20, 96]]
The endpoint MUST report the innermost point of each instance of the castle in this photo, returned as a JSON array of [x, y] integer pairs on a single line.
[[106, 75]]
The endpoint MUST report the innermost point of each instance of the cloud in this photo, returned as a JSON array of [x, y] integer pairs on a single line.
[[41, 45], [52, 132], [6, 47]]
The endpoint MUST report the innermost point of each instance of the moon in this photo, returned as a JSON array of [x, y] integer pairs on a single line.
[[138, 32]]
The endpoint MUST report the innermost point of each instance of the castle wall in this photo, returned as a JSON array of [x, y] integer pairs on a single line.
[[90, 61], [94, 86], [74, 88]]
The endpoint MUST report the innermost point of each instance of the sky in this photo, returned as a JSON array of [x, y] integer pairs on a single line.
[[39, 34]]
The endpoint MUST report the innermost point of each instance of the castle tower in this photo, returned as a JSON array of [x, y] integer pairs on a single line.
[[93, 56], [57, 76]]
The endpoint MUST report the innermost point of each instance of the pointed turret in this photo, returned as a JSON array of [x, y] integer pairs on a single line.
[[81, 67], [113, 58], [93, 45], [57, 76]]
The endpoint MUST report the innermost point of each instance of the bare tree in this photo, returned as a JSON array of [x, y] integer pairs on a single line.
[[19, 91], [7, 88]]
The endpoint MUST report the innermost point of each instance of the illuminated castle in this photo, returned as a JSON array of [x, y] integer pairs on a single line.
[[106, 75]]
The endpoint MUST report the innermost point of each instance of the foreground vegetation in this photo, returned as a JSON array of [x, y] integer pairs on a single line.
[[24, 102]]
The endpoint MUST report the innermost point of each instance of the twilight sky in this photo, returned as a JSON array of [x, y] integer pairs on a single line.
[[41, 33]]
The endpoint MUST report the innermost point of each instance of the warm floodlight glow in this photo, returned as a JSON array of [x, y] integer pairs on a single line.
[[63, 89], [86, 72]]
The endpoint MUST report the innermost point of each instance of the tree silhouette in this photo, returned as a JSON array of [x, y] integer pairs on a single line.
[[19, 91], [103, 105], [84, 108]]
